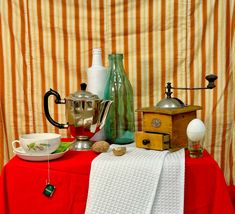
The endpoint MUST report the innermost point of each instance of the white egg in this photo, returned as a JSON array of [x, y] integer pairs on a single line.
[[196, 130]]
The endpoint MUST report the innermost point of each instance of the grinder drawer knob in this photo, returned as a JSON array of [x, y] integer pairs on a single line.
[[145, 141]]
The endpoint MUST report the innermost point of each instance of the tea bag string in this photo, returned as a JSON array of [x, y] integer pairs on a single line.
[[49, 189], [48, 169]]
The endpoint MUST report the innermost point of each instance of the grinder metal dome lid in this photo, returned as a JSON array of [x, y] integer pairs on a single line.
[[170, 103]]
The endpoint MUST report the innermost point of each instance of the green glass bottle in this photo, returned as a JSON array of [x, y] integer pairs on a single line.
[[120, 124]]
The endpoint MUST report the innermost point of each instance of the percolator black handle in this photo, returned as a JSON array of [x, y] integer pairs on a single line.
[[46, 109]]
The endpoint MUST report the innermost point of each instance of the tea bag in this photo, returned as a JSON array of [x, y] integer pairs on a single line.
[[49, 190]]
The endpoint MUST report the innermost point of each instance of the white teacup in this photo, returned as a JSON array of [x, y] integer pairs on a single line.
[[38, 143]]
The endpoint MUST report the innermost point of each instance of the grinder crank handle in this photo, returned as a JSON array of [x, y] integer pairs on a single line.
[[57, 101], [211, 79]]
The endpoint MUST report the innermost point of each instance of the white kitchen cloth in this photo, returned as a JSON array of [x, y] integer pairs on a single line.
[[139, 182]]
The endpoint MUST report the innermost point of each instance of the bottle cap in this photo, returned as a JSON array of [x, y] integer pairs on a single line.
[[96, 50]]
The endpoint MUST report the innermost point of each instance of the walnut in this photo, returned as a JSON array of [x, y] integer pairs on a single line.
[[100, 146], [118, 151]]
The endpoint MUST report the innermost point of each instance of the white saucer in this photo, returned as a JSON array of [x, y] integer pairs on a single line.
[[29, 157]]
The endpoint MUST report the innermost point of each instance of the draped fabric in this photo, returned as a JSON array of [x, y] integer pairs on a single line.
[[48, 44]]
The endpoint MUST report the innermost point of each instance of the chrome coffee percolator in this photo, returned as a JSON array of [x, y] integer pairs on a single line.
[[85, 112]]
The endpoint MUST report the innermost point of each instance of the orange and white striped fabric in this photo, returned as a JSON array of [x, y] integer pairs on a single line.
[[48, 44]]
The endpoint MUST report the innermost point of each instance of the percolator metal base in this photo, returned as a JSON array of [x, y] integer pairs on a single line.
[[82, 143]]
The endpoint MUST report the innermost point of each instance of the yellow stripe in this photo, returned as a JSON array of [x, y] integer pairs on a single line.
[[89, 31], [215, 71], [163, 48], [2, 98], [33, 124], [25, 82], [175, 46], [7, 110], [203, 57], [77, 37], [138, 62], [113, 26], [125, 35], [53, 54], [65, 36], [227, 80], [13, 70], [72, 60], [232, 145], [42, 66], [191, 59], [102, 29]]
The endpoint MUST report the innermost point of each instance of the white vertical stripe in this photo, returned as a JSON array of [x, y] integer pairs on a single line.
[[169, 40], [60, 61], [16, 25], [71, 47], [156, 51], [182, 42], [83, 35], [47, 55], [197, 53], [119, 28], [28, 65], [33, 21], [144, 54], [132, 47], [223, 26], [209, 69], [95, 24]]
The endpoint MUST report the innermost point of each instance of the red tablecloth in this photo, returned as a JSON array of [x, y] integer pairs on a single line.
[[205, 188], [22, 184]]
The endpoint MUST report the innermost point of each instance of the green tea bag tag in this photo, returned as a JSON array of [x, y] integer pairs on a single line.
[[49, 190]]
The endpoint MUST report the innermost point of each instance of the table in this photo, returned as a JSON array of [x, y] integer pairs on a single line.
[[22, 184]]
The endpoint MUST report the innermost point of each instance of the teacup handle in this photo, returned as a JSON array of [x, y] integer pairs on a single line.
[[14, 144]]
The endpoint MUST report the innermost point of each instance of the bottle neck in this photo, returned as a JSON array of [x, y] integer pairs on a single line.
[[97, 59], [116, 63]]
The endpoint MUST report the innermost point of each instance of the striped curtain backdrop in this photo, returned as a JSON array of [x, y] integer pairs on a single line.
[[48, 44]]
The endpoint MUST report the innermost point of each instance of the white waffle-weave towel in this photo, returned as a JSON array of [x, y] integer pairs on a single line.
[[139, 182]]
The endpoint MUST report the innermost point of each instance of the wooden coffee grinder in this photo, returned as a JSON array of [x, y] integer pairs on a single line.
[[164, 125]]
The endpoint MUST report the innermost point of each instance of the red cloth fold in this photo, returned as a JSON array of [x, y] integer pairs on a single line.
[[231, 190]]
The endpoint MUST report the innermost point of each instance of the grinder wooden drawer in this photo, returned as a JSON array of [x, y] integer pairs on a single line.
[[156, 141]]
